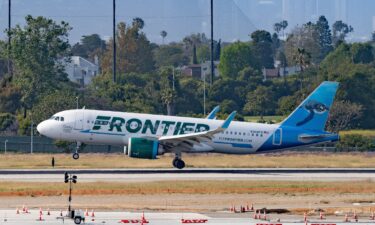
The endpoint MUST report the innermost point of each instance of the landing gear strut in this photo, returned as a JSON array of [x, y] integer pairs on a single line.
[[76, 154], [178, 162]]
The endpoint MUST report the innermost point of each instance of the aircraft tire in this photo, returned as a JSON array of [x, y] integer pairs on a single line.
[[75, 156], [180, 164]]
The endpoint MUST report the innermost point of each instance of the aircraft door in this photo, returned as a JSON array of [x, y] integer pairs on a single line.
[[277, 137], [79, 119]]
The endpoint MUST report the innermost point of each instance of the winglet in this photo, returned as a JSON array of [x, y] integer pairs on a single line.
[[228, 120], [212, 114]]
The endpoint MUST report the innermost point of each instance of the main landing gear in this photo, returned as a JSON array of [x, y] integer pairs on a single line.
[[76, 154], [178, 162]]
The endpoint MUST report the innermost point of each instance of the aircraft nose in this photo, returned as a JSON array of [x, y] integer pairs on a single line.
[[41, 128]]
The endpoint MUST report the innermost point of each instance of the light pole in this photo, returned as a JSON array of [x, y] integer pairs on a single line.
[[32, 138], [77, 101], [5, 146], [70, 178], [204, 94]]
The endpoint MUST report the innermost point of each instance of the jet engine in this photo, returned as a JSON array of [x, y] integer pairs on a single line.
[[144, 148]]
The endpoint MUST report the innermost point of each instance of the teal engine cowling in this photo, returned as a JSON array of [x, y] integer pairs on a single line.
[[143, 148]]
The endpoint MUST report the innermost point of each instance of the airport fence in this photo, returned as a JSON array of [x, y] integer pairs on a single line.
[[22, 144]]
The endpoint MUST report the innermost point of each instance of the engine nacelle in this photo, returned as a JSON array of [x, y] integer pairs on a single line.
[[143, 148]]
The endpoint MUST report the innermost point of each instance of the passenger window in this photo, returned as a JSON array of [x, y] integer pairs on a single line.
[[61, 118]]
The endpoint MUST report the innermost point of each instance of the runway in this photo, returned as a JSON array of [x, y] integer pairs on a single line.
[[142, 175]]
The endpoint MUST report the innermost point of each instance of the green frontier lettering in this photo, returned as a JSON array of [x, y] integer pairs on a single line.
[[117, 123], [101, 120], [201, 127], [167, 124], [187, 127], [148, 125], [177, 128], [133, 125]]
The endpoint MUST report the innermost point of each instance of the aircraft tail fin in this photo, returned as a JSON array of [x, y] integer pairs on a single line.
[[312, 113]]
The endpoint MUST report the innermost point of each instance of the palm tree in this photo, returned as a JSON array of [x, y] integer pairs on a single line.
[[163, 34], [302, 58]]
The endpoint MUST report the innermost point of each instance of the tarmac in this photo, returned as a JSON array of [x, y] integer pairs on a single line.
[[140, 175]]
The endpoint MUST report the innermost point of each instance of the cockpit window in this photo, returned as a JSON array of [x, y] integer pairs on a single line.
[[61, 118], [57, 118], [52, 117]]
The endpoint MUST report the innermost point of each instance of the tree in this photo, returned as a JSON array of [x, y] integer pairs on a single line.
[[259, 102], [284, 25], [304, 37], [277, 27], [217, 51], [325, 36], [39, 51], [52, 103], [167, 93], [163, 34], [203, 53], [235, 58], [170, 55], [340, 31], [134, 51], [343, 116], [138, 22], [89, 46], [362, 53], [195, 60], [302, 58], [262, 47]]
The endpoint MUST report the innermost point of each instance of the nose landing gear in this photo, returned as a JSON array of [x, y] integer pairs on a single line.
[[178, 162], [76, 154]]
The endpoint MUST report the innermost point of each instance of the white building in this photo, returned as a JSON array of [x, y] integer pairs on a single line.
[[81, 70]]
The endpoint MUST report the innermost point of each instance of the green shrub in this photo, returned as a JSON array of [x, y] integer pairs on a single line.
[[355, 142], [6, 119]]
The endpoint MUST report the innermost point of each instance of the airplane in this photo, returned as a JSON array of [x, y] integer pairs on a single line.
[[147, 135]]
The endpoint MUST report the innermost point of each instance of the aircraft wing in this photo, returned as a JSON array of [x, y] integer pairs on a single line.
[[186, 141]]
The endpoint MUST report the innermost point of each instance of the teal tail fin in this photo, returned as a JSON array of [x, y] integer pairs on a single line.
[[312, 113]]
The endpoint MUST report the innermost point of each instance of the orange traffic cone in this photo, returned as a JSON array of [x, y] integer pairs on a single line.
[[346, 218], [27, 210], [40, 216], [256, 215], [252, 207], [48, 212], [247, 207], [92, 216], [86, 213], [355, 217], [40, 211]]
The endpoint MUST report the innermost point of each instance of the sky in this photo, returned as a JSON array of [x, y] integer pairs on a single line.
[[233, 19]]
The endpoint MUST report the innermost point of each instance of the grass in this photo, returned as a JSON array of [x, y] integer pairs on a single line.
[[367, 133], [111, 161], [35, 189]]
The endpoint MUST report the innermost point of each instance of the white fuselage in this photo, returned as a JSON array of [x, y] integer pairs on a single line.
[[115, 128]]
